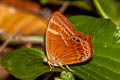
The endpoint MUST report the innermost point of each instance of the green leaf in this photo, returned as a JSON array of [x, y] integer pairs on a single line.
[[104, 32], [25, 63], [106, 42], [108, 9], [105, 64]]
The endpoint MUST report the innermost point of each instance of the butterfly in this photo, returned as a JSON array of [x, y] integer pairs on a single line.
[[64, 45]]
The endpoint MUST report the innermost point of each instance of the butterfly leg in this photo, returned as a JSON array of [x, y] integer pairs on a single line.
[[60, 64], [69, 68]]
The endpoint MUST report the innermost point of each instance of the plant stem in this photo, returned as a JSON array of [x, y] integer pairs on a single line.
[[23, 39], [102, 12]]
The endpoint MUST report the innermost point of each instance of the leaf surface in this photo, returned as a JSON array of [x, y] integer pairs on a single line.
[[105, 64]]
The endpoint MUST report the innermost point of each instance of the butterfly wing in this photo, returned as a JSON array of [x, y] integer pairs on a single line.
[[60, 43]]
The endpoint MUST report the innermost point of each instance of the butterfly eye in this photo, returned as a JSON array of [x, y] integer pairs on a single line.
[[77, 40]]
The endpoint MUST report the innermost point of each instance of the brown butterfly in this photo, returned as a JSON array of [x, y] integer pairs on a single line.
[[64, 45]]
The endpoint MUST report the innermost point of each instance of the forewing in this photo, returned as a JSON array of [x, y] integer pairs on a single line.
[[58, 30]]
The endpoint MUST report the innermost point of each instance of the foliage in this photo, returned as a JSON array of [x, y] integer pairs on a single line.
[[109, 9], [27, 63], [14, 21], [65, 76]]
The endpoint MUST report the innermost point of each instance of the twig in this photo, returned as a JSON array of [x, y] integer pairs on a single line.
[[64, 6], [7, 41], [45, 12], [24, 39], [4, 45]]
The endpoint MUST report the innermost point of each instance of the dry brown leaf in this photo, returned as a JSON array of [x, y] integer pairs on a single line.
[[23, 4], [12, 21]]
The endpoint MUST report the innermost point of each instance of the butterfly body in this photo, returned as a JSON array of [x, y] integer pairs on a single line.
[[64, 45]]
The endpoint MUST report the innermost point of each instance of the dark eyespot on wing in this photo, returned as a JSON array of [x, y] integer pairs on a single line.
[[87, 52], [78, 40], [80, 36], [73, 38]]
